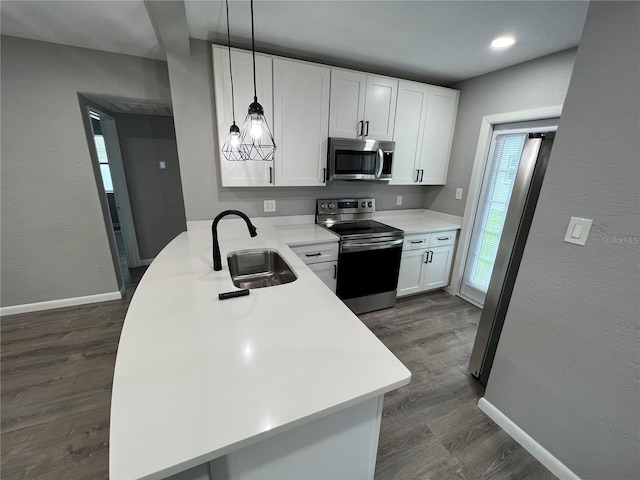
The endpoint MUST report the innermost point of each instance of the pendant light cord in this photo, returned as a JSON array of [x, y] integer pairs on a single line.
[[233, 107], [253, 49]]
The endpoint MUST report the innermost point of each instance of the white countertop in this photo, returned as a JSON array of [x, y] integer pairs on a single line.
[[419, 221], [196, 377]]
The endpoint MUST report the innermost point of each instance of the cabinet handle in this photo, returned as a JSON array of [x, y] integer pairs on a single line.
[[324, 175], [431, 256], [417, 174], [443, 238], [417, 241], [313, 254], [426, 256], [360, 128], [335, 271], [366, 134], [270, 174], [421, 175]]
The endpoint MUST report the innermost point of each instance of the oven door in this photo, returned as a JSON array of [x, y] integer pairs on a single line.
[[368, 267]]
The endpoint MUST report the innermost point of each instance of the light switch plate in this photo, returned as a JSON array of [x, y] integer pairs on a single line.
[[458, 194], [578, 230], [269, 205], [399, 200]]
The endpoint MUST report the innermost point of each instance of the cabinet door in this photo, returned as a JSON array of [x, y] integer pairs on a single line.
[[327, 272], [408, 130], [411, 272], [347, 103], [438, 267], [250, 173], [437, 135], [380, 107], [301, 122]]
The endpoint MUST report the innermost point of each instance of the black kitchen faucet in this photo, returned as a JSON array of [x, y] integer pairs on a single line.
[[217, 261]]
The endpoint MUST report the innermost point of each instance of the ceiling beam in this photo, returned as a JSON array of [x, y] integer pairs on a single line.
[[169, 20]]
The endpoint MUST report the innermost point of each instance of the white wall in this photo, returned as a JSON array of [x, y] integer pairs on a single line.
[[54, 240], [531, 85], [194, 114], [567, 366]]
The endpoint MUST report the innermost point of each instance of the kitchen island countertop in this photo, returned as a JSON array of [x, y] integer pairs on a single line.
[[197, 378]]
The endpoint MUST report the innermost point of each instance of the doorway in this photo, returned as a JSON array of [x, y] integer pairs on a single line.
[[503, 159], [106, 142]]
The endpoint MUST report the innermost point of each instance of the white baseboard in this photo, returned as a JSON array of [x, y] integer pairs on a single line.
[[545, 457], [64, 302]]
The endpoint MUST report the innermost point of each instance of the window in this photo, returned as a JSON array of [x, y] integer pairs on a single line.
[[98, 139]]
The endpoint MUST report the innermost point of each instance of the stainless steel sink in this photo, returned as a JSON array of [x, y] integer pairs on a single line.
[[259, 269]]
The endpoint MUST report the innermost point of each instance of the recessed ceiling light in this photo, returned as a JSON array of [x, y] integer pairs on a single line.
[[502, 42]]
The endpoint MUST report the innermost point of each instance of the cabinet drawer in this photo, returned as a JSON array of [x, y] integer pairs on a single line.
[[442, 238], [416, 242], [325, 252]]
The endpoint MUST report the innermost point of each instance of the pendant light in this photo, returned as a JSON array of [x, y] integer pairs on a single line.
[[255, 137], [231, 149]]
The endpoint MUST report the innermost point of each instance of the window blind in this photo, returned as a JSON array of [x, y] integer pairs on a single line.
[[493, 207]]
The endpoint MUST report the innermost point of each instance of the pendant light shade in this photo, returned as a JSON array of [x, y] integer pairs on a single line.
[[231, 149], [256, 139]]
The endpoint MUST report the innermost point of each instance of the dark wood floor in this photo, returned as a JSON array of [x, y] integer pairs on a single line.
[[432, 428], [57, 369]]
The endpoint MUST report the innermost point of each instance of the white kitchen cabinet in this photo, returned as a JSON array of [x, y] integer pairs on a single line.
[[362, 106], [437, 135], [438, 267], [423, 132], [301, 122], [426, 262], [248, 173], [322, 259], [327, 272], [411, 272]]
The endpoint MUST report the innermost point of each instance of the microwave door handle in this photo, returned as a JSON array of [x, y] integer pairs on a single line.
[[379, 162]]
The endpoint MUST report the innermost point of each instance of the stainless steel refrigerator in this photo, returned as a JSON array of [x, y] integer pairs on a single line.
[[522, 204]]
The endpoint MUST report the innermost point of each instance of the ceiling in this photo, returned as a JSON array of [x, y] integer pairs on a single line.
[[434, 41]]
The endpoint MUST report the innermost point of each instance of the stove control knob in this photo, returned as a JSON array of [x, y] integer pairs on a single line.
[[323, 206], [370, 204], [331, 205], [364, 204]]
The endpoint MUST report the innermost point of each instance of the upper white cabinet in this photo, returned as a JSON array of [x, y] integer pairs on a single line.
[[362, 105], [306, 103], [250, 173], [301, 122], [424, 125]]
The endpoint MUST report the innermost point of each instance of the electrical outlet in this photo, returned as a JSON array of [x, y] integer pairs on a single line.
[[458, 194], [269, 205], [399, 200]]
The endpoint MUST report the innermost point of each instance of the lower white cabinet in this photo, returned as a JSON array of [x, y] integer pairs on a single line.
[[327, 272], [322, 259], [426, 262]]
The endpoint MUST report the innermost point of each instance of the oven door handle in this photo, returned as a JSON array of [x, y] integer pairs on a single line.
[[350, 247]]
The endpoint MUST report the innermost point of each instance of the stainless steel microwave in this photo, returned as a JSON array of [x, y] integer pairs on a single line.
[[360, 159]]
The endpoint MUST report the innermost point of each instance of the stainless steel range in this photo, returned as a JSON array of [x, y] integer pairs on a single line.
[[370, 251]]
